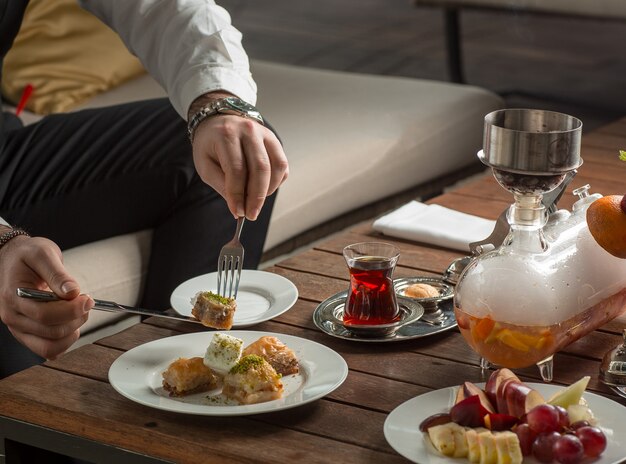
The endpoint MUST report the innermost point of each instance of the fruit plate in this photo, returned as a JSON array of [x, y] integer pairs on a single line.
[[402, 425]]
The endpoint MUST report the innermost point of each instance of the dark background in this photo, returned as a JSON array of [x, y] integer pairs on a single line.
[[573, 65]]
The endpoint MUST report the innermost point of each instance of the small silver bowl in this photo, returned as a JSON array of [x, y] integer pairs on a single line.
[[446, 291], [410, 311]]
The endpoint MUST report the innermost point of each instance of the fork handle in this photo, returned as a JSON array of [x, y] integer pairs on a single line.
[[240, 221]]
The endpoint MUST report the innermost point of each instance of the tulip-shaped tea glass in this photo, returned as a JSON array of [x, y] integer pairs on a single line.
[[371, 297]]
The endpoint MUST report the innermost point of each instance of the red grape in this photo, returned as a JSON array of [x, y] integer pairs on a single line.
[[526, 438], [543, 418], [579, 424], [542, 446], [563, 417], [568, 449], [593, 440]]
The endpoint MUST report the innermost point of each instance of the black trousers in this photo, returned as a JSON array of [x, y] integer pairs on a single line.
[[79, 177]]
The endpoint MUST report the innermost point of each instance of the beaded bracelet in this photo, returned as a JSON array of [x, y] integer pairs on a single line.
[[11, 234]]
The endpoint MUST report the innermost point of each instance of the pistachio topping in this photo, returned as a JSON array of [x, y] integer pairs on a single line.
[[246, 363], [219, 298]]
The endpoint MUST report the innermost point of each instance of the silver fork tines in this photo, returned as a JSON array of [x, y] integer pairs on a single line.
[[229, 265]]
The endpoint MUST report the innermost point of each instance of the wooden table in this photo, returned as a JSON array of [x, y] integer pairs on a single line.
[[69, 407]]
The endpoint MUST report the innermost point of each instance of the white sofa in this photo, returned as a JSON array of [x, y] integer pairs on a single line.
[[351, 139]]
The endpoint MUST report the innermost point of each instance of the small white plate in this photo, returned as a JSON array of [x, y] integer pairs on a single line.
[[137, 375], [402, 425], [261, 296]]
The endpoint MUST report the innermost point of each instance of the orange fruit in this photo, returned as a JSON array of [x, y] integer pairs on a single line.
[[606, 218]]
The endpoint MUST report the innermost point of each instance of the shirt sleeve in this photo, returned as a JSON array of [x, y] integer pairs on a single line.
[[189, 46]]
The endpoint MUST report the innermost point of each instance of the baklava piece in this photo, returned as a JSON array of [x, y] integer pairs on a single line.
[[252, 380], [189, 375], [213, 310], [280, 356]]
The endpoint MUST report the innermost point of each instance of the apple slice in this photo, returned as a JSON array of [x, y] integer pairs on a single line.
[[469, 389], [501, 398], [497, 422], [435, 419], [470, 412], [495, 380], [570, 395], [520, 398]]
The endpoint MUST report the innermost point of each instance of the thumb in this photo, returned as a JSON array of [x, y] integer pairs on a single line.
[[53, 272]]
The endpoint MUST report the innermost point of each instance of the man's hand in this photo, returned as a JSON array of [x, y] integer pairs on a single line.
[[47, 328], [241, 159]]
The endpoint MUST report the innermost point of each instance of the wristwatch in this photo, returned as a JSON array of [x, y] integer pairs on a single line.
[[228, 105]]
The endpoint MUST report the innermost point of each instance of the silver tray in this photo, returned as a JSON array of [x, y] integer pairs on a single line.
[[328, 311]]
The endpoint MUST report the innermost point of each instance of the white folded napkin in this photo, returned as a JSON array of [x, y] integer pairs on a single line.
[[435, 225]]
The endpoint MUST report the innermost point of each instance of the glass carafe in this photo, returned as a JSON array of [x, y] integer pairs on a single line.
[[549, 283]]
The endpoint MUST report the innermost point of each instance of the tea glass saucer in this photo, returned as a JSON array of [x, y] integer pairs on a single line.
[[329, 314], [433, 305]]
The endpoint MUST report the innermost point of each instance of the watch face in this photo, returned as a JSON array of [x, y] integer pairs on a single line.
[[238, 104]]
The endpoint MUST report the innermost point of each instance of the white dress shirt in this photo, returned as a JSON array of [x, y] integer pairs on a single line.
[[189, 46]]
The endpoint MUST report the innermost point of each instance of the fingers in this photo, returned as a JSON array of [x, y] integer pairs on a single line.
[[242, 160], [45, 259], [48, 349], [47, 328]]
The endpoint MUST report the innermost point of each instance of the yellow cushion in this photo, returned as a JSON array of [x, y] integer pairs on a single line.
[[67, 54]]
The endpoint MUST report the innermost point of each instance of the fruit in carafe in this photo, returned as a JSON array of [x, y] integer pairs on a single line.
[[516, 346]]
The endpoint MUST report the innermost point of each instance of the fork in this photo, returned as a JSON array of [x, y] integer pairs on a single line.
[[229, 264]]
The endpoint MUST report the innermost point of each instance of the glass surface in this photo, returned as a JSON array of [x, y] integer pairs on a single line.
[[371, 296], [544, 288]]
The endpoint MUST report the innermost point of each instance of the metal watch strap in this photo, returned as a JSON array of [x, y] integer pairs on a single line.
[[11, 234], [213, 109]]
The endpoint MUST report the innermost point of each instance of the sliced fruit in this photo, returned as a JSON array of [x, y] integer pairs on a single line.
[[580, 412], [508, 448], [473, 447], [520, 398], [449, 439], [512, 340], [435, 419], [469, 389], [494, 381], [487, 443], [570, 395], [501, 397], [483, 328], [460, 442], [496, 422], [442, 438], [469, 412]]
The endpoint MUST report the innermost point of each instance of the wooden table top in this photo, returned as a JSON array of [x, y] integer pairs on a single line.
[[72, 396]]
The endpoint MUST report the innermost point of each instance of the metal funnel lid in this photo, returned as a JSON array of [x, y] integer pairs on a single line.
[[531, 141]]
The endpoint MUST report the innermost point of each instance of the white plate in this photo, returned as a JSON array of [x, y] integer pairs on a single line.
[[402, 425], [261, 296], [137, 375]]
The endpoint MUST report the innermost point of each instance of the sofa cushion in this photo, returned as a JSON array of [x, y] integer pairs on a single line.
[[67, 54], [112, 269], [352, 139]]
